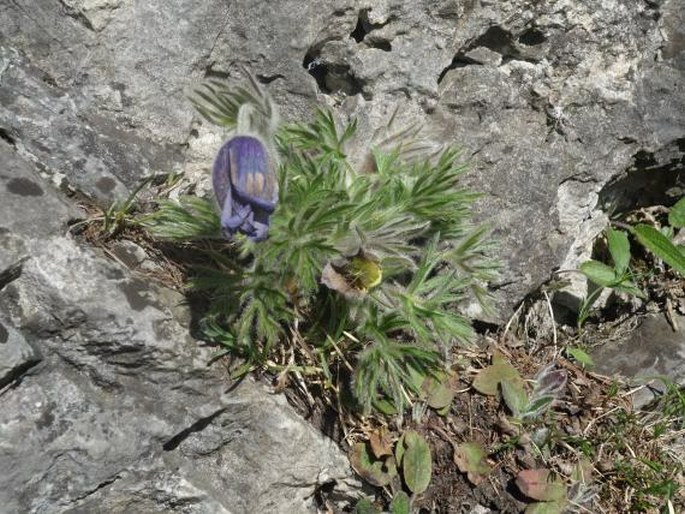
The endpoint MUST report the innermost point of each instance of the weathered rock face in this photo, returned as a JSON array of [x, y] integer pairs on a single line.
[[650, 354], [560, 106], [108, 405], [551, 101]]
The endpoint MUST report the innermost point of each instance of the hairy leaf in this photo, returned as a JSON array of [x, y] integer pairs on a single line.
[[400, 503], [439, 390], [581, 356], [416, 462], [554, 507], [376, 472], [488, 380], [514, 395], [366, 506], [539, 485], [471, 459]]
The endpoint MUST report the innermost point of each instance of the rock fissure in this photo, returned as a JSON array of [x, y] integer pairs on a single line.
[[197, 426]]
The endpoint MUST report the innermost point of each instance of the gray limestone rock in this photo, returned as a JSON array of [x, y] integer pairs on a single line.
[[555, 104], [16, 355], [651, 353], [565, 110], [107, 403], [123, 413]]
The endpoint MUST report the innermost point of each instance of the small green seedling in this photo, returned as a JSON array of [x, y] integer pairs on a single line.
[[502, 377], [113, 219], [581, 356], [618, 277]]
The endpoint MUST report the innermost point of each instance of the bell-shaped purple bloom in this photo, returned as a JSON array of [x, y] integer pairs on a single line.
[[245, 186]]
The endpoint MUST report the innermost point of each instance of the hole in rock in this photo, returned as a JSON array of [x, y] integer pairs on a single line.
[[268, 79], [364, 27], [496, 39], [317, 68], [380, 44], [532, 37], [331, 78], [5, 136], [654, 178]]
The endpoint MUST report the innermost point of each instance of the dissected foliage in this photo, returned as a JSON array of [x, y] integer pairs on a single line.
[[373, 262]]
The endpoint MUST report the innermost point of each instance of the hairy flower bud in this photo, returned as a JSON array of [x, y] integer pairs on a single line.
[[245, 186]]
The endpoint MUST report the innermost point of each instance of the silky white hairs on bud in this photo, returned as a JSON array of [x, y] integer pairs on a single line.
[[245, 109]]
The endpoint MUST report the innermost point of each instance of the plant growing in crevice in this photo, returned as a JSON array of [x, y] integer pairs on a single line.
[[617, 277], [660, 242], [332, 271]]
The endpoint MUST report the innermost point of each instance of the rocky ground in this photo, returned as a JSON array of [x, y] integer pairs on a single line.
[[567, 111]]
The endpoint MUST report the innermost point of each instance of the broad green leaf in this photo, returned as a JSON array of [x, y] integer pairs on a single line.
[[376, 472], [581, 356], [488, 379], [676, 216], [659, 244], [471, 459], [555, 507], [539, 485], [514, 395], [599, 273], [619, 248], [444, 411], [400, 503], [416, 378], [384, 406], [416, 462], [630, 288], [438, 390]]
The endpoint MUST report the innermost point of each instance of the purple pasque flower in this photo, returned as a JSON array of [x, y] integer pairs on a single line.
[[245, 186]]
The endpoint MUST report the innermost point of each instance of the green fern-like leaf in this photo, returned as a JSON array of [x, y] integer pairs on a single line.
[[405, 213], [188, 219]]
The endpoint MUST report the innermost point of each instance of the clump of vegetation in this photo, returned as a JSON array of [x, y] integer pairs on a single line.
[[659, 241], [361, 276], [341, 268]]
